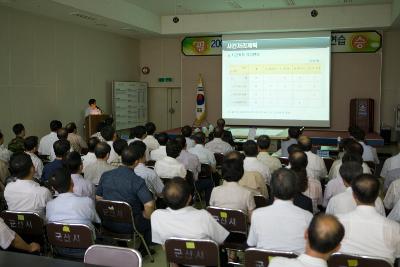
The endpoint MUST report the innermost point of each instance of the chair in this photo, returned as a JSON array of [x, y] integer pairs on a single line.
[[260, 201], [112, 256], [69, 236], [328, 163], [190, 179], [219, 158], [371, 165], [150, 163], [28, 225], [284, 161], [192, 252], [340, 260], [119, 212], [260, 258], [206, 172], [235, 221]]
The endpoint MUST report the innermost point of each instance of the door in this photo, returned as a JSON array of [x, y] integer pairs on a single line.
[[174, 111], [164, 105]]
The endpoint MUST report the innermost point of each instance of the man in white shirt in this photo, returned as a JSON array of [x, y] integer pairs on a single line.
[[316, 166], [323, 238], [31, 145], [169, 167], [109, 134], [5, 154], [395, 212], [77, 143], [392, 195], [252, 164], [187, 133], [160, 152], [189, 160], [24, 194], [150, 141], [345, 202], [263, 143], [95, 170], [205, 156], [391, 170], [92, 109], [82, 187], [138, 133], [280, 226], [370, 153], [368, 233], [90, 157], [182, 220], [217, 145], [294, 133], [47, 141], [62, 134]]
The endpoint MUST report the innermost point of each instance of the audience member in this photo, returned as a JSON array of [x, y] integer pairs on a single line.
[[300, 199], [395, 212], [323, 238], [109, 134], [392, 195], [280, 226], [369, 153], [31, 144], [391, 169], [217, 145], [294, 133], [187, 133], [189, 160], [95, 170], [62, 134], [4, 174], [5, 154], [150, 141], [60, 148], [316, 166], [92, 109], [90, 157], [205, 156], [77, 143], [368, 233], [17, 144], [138, 133], [24, 194], [169, 166], [252, 164], [82, 187], [263, 143], [227, 135], [47, 141], [119, 145], [160, 152]]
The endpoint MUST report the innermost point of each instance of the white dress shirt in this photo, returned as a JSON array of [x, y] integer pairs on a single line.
[[390, 164], [5, 154], [83, 187], [37, 164], [303, 260], [240, 197], [205, 156], [6, 235], [113, 155], [187, 223], [92, 111], [345, 203], [191, 162], [314, 191], [87, 159], [285, 145], [217, 145], [280, 226], [369, 153], [46, 143], [273, 163], [316, 166], [94, 171], [189, 142], [368, 233], [334, 171], [151, 142], [147, 152], [392, 195], [27, 195], [395, 213], [333, 188], [252, 164], [158, 153], [69, 208], [169, 168], [153, 182]]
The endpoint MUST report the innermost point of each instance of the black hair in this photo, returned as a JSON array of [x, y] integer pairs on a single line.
[[61, 147], [221, 123], [119, 145], [305, 143], [139, 147], [295, 148], [283, 184], [350, 170], [20, 165], [352, 157], [129, 155], [366, 188], [138, 132], [108, 133], [176, 193], [250, 148], [301, 180], [325, 233], [31, 142], [55, 125], [294, 132], [61, 180], [354, 147], [358, 134], [199, 138], [62, 134], [150, 128], [218, 132], [70, 127], [263, 141], [173, 149], [73, 161], [100, 126], [18, 128], [181, 140], [109, 121], [232, 170], [92, 101], [234, 155], [162, 139], [298, 160], [93, 141], [1, 135], [186, 131], [101, 150]]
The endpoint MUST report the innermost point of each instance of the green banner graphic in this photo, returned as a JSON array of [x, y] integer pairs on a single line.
[[356, 42], [202, 46]]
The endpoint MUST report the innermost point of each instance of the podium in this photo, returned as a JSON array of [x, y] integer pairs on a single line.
[[91, 123], [362, 114]]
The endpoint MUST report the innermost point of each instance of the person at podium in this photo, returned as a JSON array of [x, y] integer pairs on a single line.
[[92, 109]]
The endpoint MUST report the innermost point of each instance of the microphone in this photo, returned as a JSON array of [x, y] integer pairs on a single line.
[[99, 108]]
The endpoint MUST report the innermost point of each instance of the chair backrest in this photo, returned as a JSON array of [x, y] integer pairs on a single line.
[[114, 211], [233, 220], [341, 260], [112, 256], [260, 201], [150, 163], [219, 158], [328, 163], [206, 171], [260, 258], [69, 235], [284, 161], [192, 252], [24, 223]]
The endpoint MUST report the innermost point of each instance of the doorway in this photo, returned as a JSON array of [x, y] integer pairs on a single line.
[[164, 106]]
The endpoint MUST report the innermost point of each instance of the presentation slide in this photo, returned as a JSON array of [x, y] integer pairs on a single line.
[[276, 80]]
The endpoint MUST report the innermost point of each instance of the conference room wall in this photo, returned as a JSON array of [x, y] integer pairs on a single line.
[[49, 69]]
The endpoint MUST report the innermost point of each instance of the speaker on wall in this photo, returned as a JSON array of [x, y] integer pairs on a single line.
[[362, 113]]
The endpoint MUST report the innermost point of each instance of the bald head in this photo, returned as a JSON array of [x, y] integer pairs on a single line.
[[298, 160], [365, 189], [176, 193], [305, 142], [218, 132], [62, 134], [221, 123], [325, 234]]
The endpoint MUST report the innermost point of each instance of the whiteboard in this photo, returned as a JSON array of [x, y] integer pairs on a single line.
[[129, 104]]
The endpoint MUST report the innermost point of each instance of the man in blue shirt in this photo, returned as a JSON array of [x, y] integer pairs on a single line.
[[122, 184], [61, 148]]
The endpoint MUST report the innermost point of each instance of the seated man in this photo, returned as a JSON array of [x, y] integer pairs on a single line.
[[82, 187], [77, 143], [62, 134], [109, 134], [5, 154], [31, 146], [280, 226], [90, 157], [61, 148], [368, 233], [189, 160], [217, 145], [227, 135], [239, 198], [345, 202], [391, 169], [205, 156], [138, 133], [94, 171], [169, 166], [370, 153], [323, 238], [316, 166], [294, 133], [392, 195], [123, 184], [160, 152], [252, 164], [17, 144], [150, 141], [187, 133], [47, 141], [24, 194], [263, 143], [119, 145]]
